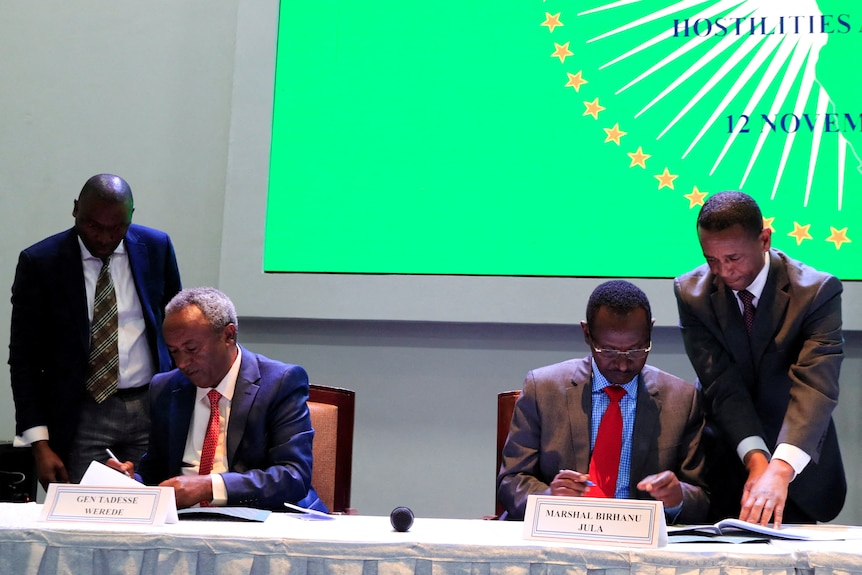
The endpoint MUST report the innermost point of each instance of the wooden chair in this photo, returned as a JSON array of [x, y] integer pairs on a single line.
[[332, 410], [505, 408]]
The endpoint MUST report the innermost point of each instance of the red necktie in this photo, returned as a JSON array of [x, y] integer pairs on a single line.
[[605, 463], [747, 299], [211, 438]]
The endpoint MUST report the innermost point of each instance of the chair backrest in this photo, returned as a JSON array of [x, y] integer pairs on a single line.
[[505, 408], [332, 410]]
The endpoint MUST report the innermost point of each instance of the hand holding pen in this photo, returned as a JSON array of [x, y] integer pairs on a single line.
[[571, 483], [127, 468]]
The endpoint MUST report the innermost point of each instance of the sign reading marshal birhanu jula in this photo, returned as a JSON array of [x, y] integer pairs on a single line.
[[614, 522]]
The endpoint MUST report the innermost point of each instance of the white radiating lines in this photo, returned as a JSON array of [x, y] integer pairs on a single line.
[[804, 92], [616, 4], [820, 120], [789, 59]]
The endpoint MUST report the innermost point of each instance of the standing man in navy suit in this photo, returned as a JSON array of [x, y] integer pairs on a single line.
[[249, 409], [52, 311]]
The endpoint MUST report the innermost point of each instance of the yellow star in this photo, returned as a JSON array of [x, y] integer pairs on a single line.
[[695, 198], [838, 237], [575, 81], [562, 52], [593, 108], [639, 158], [767, 223], [614, 134], [552, 21], [665, 179], [800, 233]]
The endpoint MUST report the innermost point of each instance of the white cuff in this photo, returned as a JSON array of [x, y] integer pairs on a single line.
[[795, 457], [755, 442], [219, 490], [31, 436]]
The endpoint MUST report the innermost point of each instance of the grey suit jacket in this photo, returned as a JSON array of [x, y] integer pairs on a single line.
[[783, 384], [551, 431]]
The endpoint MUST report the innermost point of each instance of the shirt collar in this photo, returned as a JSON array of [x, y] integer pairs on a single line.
[[756, 287], [599, 381], [86, 255], [228, 383]]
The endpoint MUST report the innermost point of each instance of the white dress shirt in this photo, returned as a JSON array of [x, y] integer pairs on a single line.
[[198, 431]]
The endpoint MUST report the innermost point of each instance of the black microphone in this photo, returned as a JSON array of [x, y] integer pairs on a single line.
[[401, 519]]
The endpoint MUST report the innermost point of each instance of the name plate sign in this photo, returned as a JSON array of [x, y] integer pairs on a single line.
[[138, 505], [614, 522]]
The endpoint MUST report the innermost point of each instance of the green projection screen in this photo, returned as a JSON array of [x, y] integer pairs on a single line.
[[559, 138]]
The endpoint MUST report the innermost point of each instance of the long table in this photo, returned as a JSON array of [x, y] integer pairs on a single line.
[[367, 545]]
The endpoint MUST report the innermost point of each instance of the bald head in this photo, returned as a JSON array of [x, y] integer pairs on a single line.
[[103, 213], [108, 188]]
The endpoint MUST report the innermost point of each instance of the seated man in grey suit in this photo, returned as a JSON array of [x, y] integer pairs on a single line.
[[555, 440]]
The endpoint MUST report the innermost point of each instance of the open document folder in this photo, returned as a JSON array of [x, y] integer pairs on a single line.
[[736, 527]]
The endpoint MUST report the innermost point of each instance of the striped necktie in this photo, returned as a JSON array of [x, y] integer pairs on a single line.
[[103, 365]]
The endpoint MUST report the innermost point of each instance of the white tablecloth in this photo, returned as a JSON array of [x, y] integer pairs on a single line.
[[363, 545]]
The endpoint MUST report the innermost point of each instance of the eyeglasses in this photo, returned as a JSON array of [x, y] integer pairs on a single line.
[[615, 354]]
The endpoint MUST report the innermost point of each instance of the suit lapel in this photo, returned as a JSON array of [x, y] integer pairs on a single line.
[[647, 412], [243, 398], [729, 318], [579, 404], [72, 271], [180, 410], [771, 307], [139, 263]]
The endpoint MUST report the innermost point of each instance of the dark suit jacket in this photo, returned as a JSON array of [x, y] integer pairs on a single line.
[[269, 434], [50, 336], [551, 431], [782, 386]]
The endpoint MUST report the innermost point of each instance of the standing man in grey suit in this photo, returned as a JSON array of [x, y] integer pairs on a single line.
[[552, 441], [70, 401], [763, 333]]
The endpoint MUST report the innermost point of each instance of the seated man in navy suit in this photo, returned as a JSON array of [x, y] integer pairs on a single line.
[[229, 427]]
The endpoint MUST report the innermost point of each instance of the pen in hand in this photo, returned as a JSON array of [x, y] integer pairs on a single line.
[[112, 456], [588, 483]]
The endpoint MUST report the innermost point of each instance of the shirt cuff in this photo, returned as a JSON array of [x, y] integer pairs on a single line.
[[671, 513], [795, 457], [31, 436], [219, 490], [755, 442]]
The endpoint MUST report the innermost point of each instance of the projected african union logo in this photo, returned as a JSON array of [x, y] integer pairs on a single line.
[[704, 95]]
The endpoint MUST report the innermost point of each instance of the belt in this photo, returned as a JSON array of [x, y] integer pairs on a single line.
[[132, 391]]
